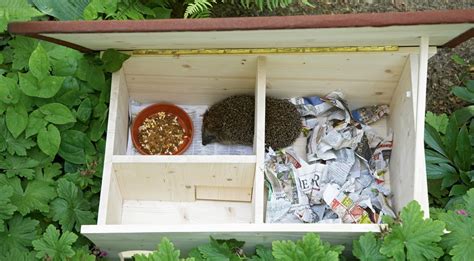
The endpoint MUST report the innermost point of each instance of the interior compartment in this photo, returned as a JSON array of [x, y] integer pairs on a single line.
[[197, 189]]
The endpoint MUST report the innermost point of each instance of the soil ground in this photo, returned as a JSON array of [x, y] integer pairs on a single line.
[[443, 73]]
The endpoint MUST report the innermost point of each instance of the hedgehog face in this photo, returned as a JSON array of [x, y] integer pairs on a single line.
[[210, 129]]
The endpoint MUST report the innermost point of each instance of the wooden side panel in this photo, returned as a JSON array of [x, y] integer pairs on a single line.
[[174, 213], [175, 178], [110, 196], [259, 140], [115, 239], [402, 123], [224, 193]]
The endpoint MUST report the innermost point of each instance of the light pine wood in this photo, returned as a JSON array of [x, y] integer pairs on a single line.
[[175, 213], [176, 180], [401, 122], [110, 196], [259, 140], [325, 37], [420, 180], [115, 239], [224, 193]]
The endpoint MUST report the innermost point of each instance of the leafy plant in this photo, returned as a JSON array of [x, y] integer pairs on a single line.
[[16, 10], [53, 115], [450, 151]]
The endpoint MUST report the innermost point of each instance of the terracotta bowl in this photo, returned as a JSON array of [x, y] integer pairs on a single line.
[[183, 119]]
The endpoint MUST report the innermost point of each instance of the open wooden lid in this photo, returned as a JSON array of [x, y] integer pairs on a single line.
[[444, 28]]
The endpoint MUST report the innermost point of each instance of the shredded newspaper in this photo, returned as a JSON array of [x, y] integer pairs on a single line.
[[343, 178]]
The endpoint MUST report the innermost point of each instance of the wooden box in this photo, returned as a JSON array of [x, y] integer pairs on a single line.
[[371, 58]]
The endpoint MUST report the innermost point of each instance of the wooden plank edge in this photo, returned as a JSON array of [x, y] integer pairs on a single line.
[[183, 159], [460, 39], [246, 23]]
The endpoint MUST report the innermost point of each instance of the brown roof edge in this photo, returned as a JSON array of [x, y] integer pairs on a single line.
[[460, 39], [245, 23]]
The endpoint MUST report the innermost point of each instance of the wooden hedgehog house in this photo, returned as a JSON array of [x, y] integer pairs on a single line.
[[371, 58]]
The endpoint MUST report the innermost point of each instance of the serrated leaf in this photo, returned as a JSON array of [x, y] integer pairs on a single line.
[[9, 91], [19, 233], [113, 60], [416, 238], [367, 247], [83, 254], [17, 255], [459, 241], [57, 113], [433, 139], [54, 246], [6, 207], [165, 251], [39, 64], [36, 195], [71, 209], [22, 48], [439, 122], [18, 166], [75, 147], [8, 142], [49, 140], [309, 248], [16, 10], [16, 119]]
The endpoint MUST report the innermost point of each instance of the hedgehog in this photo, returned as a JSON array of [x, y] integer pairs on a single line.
[[231, 121]]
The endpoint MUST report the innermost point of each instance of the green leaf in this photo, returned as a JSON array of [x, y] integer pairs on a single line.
[[9, 91], [439, 122], [54, 246], [15, 10], [92, 74], [416, 238], [97, 129], [19, 233], [165, 251], [262, 253], [6, 208], [62, 9], [463, 93], [463, 115], [22, 48], [71, 209], [18, 166], [450, 139], [17, 255], [449, 180], [16, 119], [49, 140], [13, 146], [309, 248], [85, 110], [458, 190], [57, 113], [64, 60], [162, 13], [433, 139], [46, 88], [113, 60], [36, 195], [457, 59], [216, 251], [36, 122], [75, 146], [83, 254], [432, 156], [39, 63], [464, 149], [442, 170], [367, 247], [459, 241]]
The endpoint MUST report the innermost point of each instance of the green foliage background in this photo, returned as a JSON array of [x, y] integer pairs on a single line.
[[53, 115]]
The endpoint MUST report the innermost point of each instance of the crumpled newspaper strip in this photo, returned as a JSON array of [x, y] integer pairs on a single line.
[[342, 180], [196, 113]]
